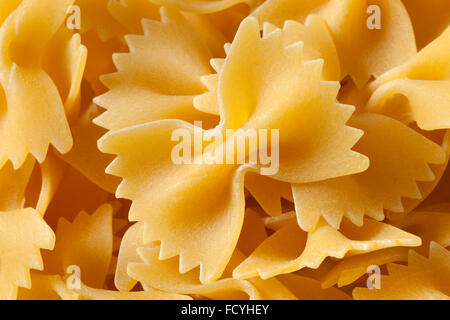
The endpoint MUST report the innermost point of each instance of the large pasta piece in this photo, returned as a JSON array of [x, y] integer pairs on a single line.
[[378, 50], [165, 212], [23, 233], [424, 80], [261, 80], [150, 84], [399, 156], [422, 279], [290, 248], [222, 184]]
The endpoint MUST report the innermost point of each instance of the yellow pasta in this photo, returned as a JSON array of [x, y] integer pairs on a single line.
[[224, 149]]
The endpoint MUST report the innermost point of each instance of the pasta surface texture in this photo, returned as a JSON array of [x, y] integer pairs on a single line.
[[224, 149]]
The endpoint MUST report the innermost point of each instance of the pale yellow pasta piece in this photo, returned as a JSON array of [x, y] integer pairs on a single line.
[[422, 279], [253, 79], [222, 185], [429, 19], [155, 84], [291, 249], [399, 156], [378, 50], [23, 233], [145, 172], [33, 114]]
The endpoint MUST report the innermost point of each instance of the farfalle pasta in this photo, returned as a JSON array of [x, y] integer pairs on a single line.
[[224, 149]]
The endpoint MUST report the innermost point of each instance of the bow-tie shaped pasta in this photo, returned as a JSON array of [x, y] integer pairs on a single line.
[[187, 225], [34, 112]]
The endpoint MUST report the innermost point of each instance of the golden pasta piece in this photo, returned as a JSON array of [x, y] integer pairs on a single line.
[[317, 44], [399, 156], [23, 233], [290, 248], [156, 85], [250, 82], [34, 114], [422, 279], [379, 48]]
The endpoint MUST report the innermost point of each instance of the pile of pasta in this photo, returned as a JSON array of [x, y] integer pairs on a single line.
[[88, 190]]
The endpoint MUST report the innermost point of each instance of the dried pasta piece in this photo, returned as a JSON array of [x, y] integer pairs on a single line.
[[151, 270], [310, 289], [23, 233], [399, 156], [205, 6], [422, 279], [251, 85], [86, 243], [222, 185], [378, 50], [34, 115], [155, 84], [318, 44], [429, 226], [291, 249], [424, 80], [146, 172], [429, 19]]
